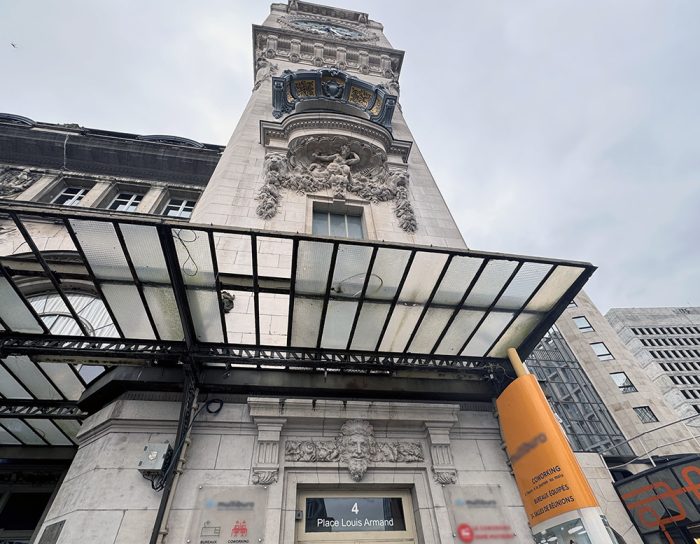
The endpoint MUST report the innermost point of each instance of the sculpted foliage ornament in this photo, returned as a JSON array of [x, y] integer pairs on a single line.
[[322, 163], [15, 180], [355, 447]]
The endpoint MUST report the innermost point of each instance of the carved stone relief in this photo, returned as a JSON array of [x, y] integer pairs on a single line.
[[264, 70], [15, 180], [339, 164], [355, 447], [444, 470], [266, 457]]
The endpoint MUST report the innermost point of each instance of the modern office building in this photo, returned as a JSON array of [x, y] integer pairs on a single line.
[[295, 317], [665, 343]]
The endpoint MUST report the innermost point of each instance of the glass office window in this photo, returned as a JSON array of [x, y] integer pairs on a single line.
[[623, 382], [645, 414], [601, 350], [583, 324]]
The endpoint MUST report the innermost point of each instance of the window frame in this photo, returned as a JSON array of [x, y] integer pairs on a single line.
[[133, 194], [587, 328], [607, 356], [60, 184], [184, 199], [82, 191], [626, 386], [647, 411], [349, 207]]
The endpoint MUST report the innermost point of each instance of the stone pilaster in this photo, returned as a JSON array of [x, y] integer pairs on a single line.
[[444, 470], [266, 462]]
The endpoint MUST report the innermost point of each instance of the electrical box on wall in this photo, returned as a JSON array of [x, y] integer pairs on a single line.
[[155, 459]]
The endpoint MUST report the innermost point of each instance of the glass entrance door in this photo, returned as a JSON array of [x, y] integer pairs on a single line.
[[357, 517]]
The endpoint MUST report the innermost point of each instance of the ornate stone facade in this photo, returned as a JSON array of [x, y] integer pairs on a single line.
[[338, 164], [355, 447]]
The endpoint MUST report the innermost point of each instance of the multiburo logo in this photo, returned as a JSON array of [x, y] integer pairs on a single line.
[[229, 505], [527, 447]]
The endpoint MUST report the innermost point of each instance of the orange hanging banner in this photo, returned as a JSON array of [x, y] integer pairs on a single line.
[[547, 473]]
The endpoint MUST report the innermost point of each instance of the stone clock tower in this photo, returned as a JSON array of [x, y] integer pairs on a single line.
[[334, 390], [323, 132]]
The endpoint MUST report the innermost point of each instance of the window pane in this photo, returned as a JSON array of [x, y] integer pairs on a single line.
[[602, 351], [355, 227], [320, 223], [645, 414], [582, 323], [623, 382], [126, 202], [70, 196], [338, 225], [178, 207]]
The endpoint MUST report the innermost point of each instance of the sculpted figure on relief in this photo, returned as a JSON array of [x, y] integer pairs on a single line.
[[341, 170]]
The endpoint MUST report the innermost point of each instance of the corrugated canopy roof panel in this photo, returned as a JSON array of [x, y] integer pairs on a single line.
[[158, 283]]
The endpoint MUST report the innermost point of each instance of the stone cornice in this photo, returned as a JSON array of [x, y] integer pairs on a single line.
[[313, 122], [301, 48], [342, 410]]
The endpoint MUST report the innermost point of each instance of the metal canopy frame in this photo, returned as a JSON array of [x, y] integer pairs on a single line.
[[196, 345]]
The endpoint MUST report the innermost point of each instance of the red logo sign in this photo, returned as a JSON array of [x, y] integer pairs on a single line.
[[240, 528], [465, 533]]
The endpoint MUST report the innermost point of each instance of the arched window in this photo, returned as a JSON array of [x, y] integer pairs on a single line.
[[92, 313], [55, 315]]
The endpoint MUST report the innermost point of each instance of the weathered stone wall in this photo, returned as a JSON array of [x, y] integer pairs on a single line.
[[104, 499]]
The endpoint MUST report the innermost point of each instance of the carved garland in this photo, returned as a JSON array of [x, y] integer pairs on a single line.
[[355, 447]]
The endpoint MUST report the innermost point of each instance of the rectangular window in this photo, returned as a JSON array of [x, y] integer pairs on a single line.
[[583, 324], [623, 382], [179, 207], [337, 224], [70, 196], [601, 350], [125, 202], [572, 304], [645, 414]]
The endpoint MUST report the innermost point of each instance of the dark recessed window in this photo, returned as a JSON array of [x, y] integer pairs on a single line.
[[583, 324], [601, 350], [70, 196], [623, 382], [344, 225], [126, 202], [179, 207], [645, 414]]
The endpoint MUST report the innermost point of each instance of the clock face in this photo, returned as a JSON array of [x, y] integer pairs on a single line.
[[327, 29]]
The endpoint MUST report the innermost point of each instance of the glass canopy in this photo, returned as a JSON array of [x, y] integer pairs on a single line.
[[80, 291], [161, 283]]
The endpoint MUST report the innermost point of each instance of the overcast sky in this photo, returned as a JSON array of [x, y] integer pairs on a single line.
[[559, 129]]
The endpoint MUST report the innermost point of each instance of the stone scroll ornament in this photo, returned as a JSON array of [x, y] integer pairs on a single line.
[[355, 447], [323, 163]]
